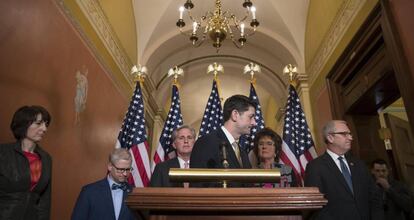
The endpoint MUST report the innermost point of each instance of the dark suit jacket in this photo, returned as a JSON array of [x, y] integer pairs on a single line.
[[365, 203], [206, 154], [398, 201], [160, 176], [95, 203]]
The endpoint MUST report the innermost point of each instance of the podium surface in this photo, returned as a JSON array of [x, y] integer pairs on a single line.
[[226, 203]]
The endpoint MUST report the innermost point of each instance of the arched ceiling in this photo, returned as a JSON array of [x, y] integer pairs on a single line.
[[279, 40]]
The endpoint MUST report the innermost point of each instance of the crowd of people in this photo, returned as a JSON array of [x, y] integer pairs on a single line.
[[351, 189]]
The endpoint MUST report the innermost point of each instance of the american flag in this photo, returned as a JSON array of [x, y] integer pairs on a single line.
[[246, 141], [165, 149], [213, 114], [298, 147], [133, 137]]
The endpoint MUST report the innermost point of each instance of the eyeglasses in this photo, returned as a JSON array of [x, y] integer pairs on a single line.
[[343, 133], [183, 138], [270, 143], [123, 170]]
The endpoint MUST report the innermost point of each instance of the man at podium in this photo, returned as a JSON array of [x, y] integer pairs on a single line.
[[220, 148]]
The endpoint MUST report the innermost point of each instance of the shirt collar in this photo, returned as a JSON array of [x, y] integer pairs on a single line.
[[334, 155], [110, 180], [230, 137], [181, 162]]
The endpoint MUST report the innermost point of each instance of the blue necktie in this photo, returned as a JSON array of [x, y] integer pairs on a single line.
[[346, 173]]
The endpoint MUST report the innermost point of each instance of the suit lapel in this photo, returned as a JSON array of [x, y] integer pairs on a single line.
[[336, 171], [175, 164], [231, 156], [107, 201], [245, 159], [354, 172], [124, 210]]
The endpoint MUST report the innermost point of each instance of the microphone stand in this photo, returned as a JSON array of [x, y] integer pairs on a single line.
[[225, 163]]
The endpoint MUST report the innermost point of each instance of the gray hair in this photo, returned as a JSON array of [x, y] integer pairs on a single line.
[[330, 128], [175, 132], [119, 154]]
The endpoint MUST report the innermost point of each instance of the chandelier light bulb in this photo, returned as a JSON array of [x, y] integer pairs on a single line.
[[242, 29], [194, 27], [253, 10], [181, 9]]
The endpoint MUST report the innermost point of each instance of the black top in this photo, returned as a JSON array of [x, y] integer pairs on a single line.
[[16, 199]]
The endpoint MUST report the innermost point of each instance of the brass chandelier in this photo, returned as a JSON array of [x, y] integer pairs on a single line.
[[218, 25]]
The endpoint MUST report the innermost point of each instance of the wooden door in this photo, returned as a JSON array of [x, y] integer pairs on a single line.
[[402, 143]]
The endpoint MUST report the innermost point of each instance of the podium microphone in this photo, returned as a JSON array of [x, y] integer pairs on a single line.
[[223, 150]]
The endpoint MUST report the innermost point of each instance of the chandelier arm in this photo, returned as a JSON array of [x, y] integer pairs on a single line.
[[238, 45], [199, 43], [185, 33], [250, 33], [202, 18], [237, 21]]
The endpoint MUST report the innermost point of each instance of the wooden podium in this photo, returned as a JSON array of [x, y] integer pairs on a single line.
[[225, 203]]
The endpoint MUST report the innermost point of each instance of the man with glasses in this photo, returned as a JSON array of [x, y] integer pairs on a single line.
[[104, 199], [344, 180], [183, 139]]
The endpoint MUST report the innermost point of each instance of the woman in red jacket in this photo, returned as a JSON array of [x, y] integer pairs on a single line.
[[25, 169]]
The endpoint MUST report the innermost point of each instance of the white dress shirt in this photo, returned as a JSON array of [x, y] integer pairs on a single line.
[[229, 137], [117, 196], [336, 160]]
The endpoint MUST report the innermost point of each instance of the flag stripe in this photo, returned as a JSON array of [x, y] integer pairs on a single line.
[[133, 137], [298, 147]]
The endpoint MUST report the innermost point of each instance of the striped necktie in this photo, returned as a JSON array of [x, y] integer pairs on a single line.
[[186, 166], [346, 173]]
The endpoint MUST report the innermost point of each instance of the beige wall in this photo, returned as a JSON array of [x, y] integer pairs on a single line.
[[318, 93], [120, 15], [40, 55]]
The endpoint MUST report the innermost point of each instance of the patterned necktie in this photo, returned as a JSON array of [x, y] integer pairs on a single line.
[[346, 173], [237, 152], [122, 186], [186, 166]]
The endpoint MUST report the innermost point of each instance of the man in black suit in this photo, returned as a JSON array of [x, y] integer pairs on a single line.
[[397, 198], [238, 115], [183, 139], [345, 181], [104, 199]]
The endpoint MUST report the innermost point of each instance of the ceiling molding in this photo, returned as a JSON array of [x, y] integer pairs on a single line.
[[95, 15], [346, 15]]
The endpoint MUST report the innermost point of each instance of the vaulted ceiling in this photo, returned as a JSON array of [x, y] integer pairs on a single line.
[[278, 41], [300, 32]]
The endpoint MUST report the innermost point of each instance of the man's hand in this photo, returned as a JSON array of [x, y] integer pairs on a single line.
[[383, 183]]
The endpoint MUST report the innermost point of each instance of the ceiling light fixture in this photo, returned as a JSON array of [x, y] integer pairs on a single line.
[[218, 25]]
